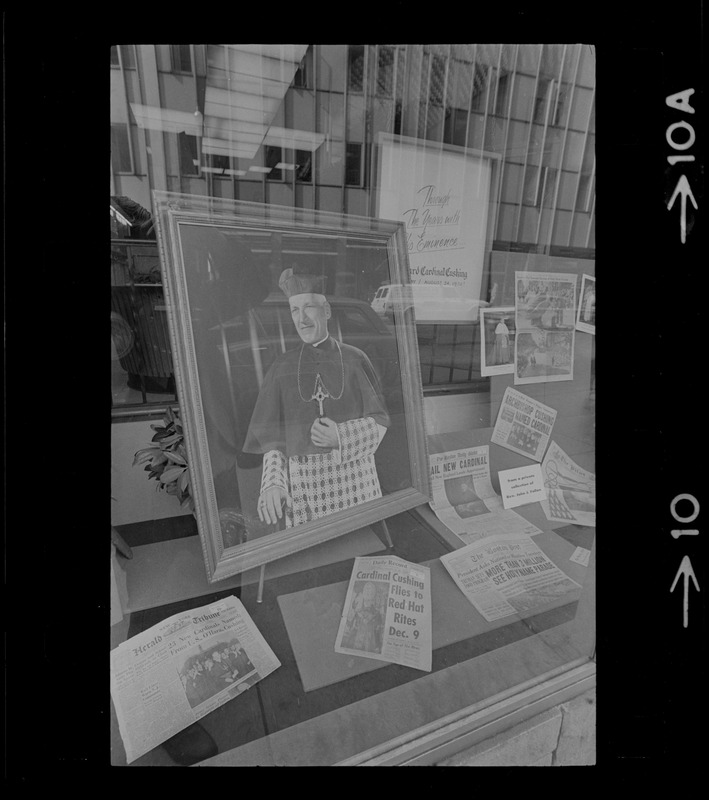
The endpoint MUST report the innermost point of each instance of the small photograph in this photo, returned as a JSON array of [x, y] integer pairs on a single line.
[[497, 333], [206, 671], [544, 355], [462, 496], [545, 303], [524, 439], [364, 629], [586, 312]]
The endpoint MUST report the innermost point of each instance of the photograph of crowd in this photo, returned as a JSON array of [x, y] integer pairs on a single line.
[[545, 304], [524, 438], [205, 673], [541, 353]]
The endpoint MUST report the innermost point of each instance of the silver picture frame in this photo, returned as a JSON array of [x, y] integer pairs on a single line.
[[228, 321]]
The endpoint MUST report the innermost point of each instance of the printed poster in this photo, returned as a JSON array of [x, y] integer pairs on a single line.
[[545, 304], [442, 194]]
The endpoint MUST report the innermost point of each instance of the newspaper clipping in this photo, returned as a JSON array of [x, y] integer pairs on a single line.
[[387, 612], [571, 490], [172, 674], [523, 424], [545, 320], [507, 574], [463, 497]]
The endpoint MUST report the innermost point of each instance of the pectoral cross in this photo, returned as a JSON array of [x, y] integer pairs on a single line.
[[320, 393]]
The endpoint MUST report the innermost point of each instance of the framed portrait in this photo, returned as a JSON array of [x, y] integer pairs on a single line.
[[301, 405], [586, 312], [497, 340]]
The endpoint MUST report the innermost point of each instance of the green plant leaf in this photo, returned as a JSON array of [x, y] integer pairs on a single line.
[[186, 502], [184, 481], [160, 458], [171, 474], [175, 458], [170, 440], [156, 427], [142, 456]]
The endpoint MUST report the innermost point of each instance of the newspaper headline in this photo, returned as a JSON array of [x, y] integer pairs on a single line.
[[464, 499], [387, 612], [523, 424], [172, 674], [507, 574]]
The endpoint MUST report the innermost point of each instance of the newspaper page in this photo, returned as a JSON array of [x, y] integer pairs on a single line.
[[507, 574], [571, 490], [545, 320], [523, 424], [387, 612], [463, 497], [172, 674]]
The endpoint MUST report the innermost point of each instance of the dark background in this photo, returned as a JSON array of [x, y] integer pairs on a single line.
[[652, 435]]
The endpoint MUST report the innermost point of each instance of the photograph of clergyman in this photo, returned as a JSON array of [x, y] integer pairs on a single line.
[[299, 384], [365, 618], [497, 333], [319, 417]]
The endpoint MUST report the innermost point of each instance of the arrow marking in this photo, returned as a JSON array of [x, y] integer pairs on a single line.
[[685, 191], [685, 569], [677, 533]]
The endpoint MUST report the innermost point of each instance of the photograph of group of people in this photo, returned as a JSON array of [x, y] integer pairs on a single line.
[[205, 673], [524, 438], [546, 304], [543, 354]]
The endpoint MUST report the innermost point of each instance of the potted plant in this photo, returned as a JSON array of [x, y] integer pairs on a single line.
[[166, 459]]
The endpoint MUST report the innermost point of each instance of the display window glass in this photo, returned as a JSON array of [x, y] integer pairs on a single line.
[[438, 203]]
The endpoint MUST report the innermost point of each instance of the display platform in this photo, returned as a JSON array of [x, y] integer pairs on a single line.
[[170, 571], [312, 617]]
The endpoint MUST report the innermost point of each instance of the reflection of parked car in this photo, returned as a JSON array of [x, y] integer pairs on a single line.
[[431, 302], [255, 340]]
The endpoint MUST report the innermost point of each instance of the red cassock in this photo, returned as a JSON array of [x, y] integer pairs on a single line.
[[320, 481]]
